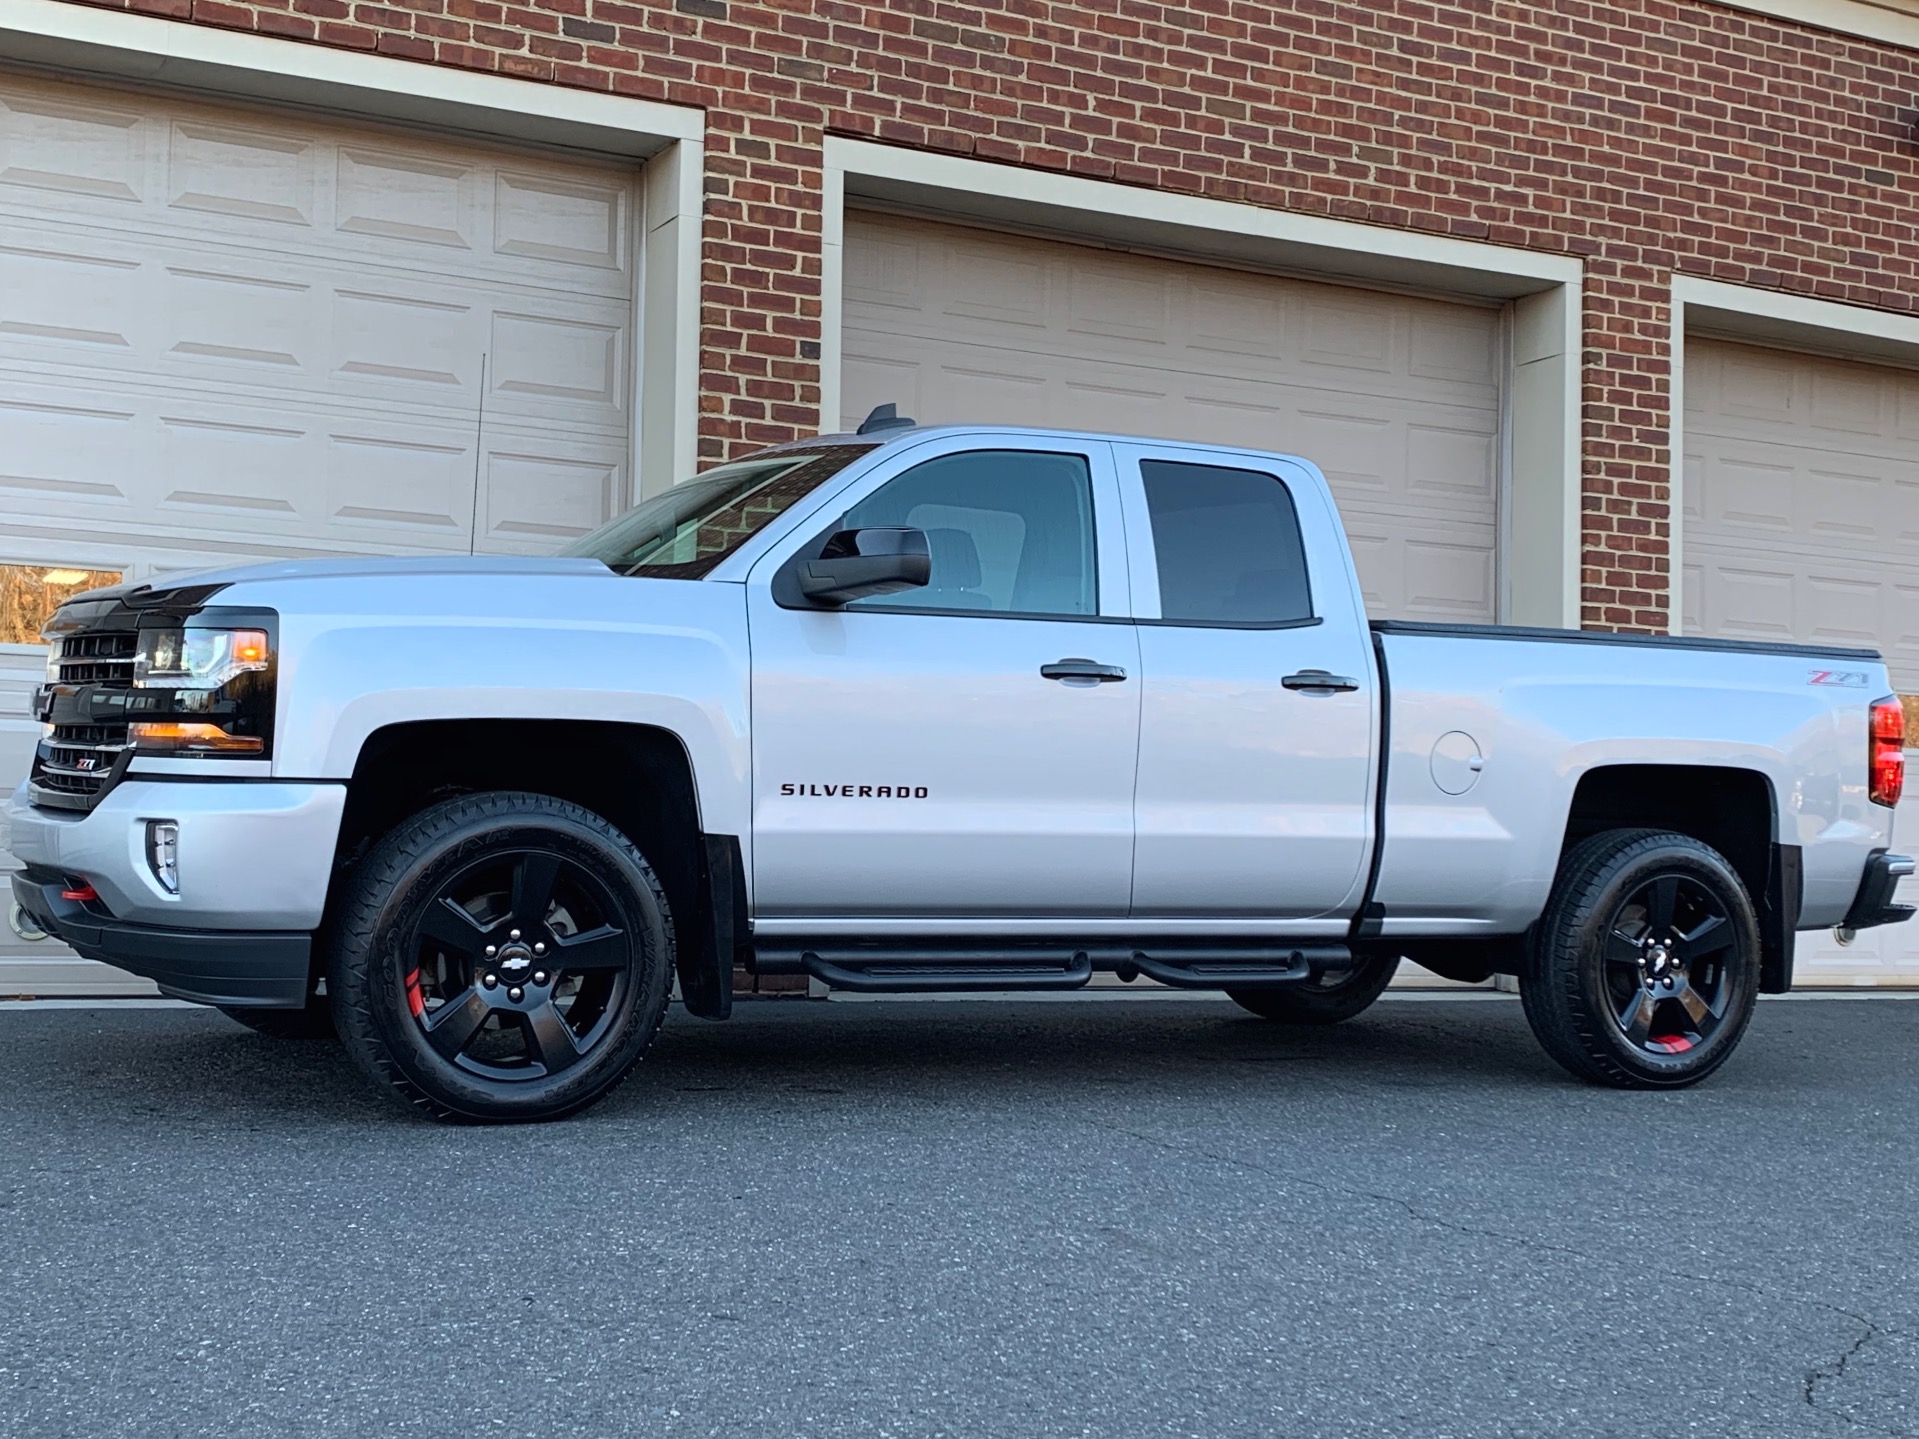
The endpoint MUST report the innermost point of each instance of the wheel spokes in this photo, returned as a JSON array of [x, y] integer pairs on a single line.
[[1662, 898], [1699, 1010], [549, 1038], [1636, 1017], [602, 948], [452, 927], [451, 1027], [1622, 948], [533, 879], [1711, 935]]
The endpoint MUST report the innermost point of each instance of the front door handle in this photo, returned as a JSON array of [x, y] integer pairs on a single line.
[[1319, 681], [1074, 669]]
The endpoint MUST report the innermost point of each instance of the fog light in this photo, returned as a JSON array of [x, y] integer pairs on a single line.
[[163, 853]]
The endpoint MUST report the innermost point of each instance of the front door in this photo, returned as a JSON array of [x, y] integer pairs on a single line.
[[923, 753], [1258, 703]]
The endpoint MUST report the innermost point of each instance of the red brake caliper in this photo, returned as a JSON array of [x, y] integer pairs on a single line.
[[413, 1000]]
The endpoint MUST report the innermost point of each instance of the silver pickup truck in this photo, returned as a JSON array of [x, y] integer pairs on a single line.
[[957, 708]]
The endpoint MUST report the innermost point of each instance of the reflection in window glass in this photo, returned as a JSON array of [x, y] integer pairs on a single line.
[[29, 594], [1227, 543], [1009, 531], [684, 533]]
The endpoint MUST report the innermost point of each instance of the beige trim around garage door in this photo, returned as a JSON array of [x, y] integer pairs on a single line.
[[1541, 388]]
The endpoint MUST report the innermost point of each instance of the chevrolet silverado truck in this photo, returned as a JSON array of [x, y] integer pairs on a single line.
[[914, 709]]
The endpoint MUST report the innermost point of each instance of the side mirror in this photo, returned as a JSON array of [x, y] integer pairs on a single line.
[[858, 563]]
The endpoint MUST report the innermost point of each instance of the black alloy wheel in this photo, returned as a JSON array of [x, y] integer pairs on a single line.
[[1666, 974], [506, 956], [1645, 967]]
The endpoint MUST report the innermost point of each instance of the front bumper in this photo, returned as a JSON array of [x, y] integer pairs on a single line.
[[253, 854], [1873, 905], [257, 970], [255, 860]]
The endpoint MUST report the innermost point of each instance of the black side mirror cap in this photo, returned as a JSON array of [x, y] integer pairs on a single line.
[[857, 563]]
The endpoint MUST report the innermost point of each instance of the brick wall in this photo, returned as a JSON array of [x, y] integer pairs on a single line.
[[1640, 135]]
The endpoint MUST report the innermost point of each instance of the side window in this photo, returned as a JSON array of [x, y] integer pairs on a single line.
[[1227, 543], [1010, 532]]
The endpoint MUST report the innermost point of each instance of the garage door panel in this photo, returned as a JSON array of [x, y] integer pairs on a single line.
[[61, 146], [243, 172], [1394, 397], [1848, 398]]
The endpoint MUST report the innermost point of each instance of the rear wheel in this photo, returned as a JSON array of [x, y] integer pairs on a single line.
[[1324, 999], [1645, 967], [502, 957]]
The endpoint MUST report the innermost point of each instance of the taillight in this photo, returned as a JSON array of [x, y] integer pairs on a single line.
[[1888, 751]]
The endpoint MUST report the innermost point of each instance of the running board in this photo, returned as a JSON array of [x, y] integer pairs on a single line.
[[896, 969]]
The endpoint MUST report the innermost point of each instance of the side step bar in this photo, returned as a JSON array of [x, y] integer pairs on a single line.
[[891, 969]]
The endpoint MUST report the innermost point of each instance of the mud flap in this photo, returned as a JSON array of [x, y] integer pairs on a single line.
[[706, 966]]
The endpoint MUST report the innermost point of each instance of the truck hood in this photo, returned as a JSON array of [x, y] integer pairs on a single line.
[[371, 567]]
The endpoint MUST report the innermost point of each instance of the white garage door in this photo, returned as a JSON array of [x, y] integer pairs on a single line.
[[231, 333], [1395, 398], [1801, 522]]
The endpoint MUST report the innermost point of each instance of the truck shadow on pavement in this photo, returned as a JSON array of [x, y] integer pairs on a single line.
[[966, 1056]]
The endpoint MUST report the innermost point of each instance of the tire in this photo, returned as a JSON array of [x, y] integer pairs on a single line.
[[1644, 969], [501, 957], [1324, 1000], [313, 1022]]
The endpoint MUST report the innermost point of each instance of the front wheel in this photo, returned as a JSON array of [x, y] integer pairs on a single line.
[[1325, 999], [1645, 966], [502, 957]]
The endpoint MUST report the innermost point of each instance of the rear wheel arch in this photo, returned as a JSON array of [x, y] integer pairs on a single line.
[[1732, 808]]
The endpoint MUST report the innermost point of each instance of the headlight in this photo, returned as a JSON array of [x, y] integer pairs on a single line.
[[203, 687], [197, 658]]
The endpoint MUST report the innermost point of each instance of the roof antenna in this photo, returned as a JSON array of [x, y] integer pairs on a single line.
[[884, 417]]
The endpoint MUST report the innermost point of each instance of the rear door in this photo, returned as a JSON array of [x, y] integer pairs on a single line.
[[922, 753], [1258, 702]]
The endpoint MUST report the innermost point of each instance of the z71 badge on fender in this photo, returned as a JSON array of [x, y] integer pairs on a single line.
[[852, 791], [1848, 679]]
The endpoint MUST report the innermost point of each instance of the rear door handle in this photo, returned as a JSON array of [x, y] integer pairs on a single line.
[[1319, 680], [1074, 669]]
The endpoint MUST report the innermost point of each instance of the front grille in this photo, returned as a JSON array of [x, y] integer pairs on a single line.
[[96, 659], [73, 766]]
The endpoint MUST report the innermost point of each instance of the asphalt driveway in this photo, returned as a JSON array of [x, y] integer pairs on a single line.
[[1126, 1218]]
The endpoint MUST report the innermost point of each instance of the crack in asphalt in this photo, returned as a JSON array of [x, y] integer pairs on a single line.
[[1813, 1377], [1837, 1370]]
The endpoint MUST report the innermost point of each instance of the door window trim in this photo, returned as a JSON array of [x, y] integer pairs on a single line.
[[1113, 567], [1144, 549]]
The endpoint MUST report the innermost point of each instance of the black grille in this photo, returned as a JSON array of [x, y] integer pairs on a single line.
[[74, 764]]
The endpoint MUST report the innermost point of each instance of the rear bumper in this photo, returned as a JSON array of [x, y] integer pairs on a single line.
[[255, 970], [1873, 905]]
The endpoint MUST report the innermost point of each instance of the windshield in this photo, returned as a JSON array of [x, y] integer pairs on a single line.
[[684, 533]]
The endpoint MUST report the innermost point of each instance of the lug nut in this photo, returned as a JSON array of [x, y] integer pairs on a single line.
[[491, 982], [491, 950], [513, 934], [539, 949], [516, 994], [539, 976]]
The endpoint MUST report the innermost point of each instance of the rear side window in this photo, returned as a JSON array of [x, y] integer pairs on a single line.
[[1228, 546], [1009, 532]]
